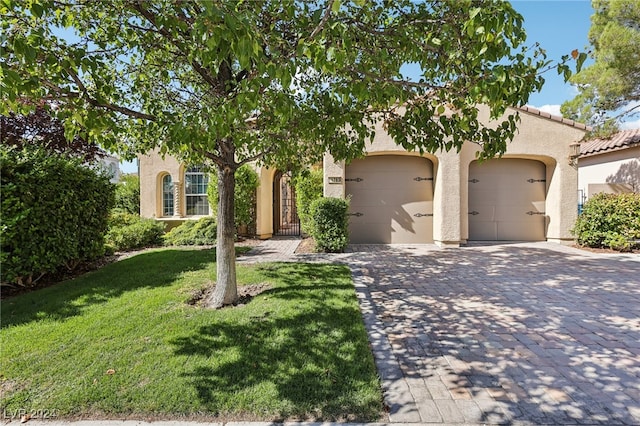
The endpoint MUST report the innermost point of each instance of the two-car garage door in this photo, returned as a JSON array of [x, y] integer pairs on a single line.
[[391, 200]]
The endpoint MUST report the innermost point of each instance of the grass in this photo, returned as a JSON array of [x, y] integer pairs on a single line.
[[122, 342]]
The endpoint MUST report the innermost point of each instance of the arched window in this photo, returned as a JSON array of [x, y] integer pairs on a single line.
[[167, 196], [195, 189]]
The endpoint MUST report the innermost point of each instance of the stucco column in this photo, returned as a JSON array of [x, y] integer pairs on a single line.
[[177, 204], [562, 202], [447, 200], [264, 204], [334, 175]]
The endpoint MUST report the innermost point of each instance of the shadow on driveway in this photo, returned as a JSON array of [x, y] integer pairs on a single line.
[[503, 333]]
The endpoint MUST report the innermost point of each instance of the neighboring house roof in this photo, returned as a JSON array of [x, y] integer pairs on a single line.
[[621, 140], [535, 111]]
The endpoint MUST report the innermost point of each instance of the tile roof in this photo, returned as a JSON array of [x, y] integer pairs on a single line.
[[535, 111], [620, 140]]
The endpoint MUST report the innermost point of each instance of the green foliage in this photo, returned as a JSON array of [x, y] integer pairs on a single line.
[[193, 232], [129, 231], [609, 220], [309, 186], [244, 197], [54, 213], [612, 82], [330, 224], [172, 360], [128, 194], [281, 82]]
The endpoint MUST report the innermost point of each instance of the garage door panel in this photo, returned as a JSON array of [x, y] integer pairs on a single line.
[[507, 200], [392, 198], [485, 230], [506, 229]]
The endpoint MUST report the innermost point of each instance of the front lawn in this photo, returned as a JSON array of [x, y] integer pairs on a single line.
[[122, 342]]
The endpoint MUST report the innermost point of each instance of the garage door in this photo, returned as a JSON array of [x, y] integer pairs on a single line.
[[391, 200], [507, 200]]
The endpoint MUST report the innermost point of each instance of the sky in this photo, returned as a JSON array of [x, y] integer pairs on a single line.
[[560, 26]]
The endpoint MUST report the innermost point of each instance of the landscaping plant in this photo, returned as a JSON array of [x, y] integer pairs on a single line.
[[308, 185], [54, 213], [129, 231], [193, 233], [610, 220], [244, 196], [330, 224]]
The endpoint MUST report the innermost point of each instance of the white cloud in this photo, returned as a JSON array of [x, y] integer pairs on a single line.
[[551, 109], [630, 125]]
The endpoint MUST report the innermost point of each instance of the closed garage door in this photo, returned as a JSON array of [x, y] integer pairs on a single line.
[[507, 200], [391, 200]]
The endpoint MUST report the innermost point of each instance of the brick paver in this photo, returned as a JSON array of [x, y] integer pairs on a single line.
[[501, 334], [519, 334]]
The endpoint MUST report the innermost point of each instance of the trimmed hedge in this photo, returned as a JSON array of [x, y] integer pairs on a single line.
[[129, 231], [330, 224], [308, 189], [54, 213], [193, 233], [609, 220]]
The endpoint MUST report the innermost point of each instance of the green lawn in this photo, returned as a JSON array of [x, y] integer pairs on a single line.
[[297, 351]]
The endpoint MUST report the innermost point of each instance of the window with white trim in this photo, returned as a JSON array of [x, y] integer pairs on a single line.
[[196, 181], [167, 196]]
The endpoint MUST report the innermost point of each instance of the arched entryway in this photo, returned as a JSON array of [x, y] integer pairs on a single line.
[[285, 213]]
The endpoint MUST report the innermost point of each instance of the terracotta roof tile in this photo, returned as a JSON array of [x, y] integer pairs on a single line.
[[543, 114], [620, 140]]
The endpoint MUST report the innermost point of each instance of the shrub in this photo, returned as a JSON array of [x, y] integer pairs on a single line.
[[247, 182], [54, 213], [609, 220], [193, 233], [330, 224], [129, 231], [308, 189], [128, 194]]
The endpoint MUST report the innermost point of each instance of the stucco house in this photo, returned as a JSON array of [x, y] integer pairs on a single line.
[[610, 165], [447, 198]]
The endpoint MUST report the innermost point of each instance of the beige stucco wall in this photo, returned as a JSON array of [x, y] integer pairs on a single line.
[[152, 169], [615, 167], [539, 139]]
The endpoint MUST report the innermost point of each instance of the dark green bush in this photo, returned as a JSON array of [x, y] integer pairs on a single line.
[[54, 213], [193, 233], [129, 231], [128, 194], [308, 189], [609, 220], [244, 197], [330, 224]]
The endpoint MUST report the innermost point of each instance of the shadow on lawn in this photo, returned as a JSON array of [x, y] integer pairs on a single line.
[[70, 298], [315, 358]]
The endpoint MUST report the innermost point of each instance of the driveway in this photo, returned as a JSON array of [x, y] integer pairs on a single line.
[[519, 333]]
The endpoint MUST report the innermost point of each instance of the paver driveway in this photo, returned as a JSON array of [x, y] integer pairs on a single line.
[[522, 333]]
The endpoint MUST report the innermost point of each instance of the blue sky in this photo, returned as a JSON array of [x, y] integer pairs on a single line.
[[559, 26]]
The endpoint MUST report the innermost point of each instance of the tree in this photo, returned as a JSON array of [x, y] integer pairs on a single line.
[[282, 81], [39, 128], [612, 83], [128, 194]]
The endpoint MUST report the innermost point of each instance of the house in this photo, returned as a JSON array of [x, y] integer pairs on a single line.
[[610, 165], [447, 198]]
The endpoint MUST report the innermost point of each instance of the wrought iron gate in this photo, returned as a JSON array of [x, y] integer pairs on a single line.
[[285, 212]]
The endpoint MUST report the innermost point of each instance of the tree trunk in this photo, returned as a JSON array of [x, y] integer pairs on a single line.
[[226, 290]]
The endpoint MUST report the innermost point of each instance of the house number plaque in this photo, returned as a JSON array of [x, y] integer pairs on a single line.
[[335, 179]]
